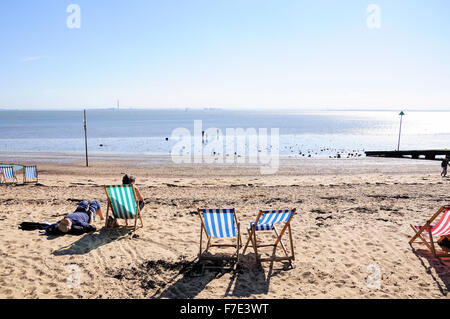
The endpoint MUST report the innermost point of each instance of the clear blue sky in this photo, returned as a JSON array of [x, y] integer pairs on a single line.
[[225, 53]]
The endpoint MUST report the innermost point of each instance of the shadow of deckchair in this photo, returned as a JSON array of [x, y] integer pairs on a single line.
[[250, 279], [441, 267], [91, 241], [244, 282], [190, 283]]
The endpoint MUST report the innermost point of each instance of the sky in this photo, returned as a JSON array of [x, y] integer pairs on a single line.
[[230, 54]]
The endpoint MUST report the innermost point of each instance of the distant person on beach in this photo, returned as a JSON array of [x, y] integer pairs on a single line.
[[444, 165], [128, 179], [79, 222]]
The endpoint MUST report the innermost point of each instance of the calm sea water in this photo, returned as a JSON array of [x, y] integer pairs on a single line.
[[323, 133]]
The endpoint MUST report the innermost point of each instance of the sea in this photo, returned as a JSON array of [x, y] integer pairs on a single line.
[[325, 133]]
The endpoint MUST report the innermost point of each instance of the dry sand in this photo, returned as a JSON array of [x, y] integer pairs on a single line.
[[352, 226]]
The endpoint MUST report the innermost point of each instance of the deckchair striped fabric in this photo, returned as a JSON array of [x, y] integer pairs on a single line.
[[271, 217], [30, 172], [219, 223], [122, 201], [8, 172], [442, 228]]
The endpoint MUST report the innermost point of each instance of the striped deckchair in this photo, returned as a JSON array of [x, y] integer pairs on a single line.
[[441, 229], [8, 174], [30, 173], [123, 203], [266, 221], [219, 224]]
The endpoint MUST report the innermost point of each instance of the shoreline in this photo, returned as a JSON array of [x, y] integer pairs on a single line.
[[289, 168], [63, 157]]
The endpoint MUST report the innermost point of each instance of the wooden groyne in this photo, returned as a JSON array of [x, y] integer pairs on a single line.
[[415, 154]]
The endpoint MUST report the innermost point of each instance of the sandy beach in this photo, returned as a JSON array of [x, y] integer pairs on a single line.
[[352, 227]]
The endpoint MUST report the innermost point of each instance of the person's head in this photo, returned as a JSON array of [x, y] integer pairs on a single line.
[[65, 225], [128, 179]]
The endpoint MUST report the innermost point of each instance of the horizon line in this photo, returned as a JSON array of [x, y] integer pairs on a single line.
[[311, 109]]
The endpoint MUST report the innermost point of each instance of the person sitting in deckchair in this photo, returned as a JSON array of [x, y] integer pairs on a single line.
[[79, 222], [129, 179]]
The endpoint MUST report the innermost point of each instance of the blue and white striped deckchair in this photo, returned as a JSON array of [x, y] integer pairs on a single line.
[[8, 174], [30, 173], [123, 203], [219, 224], [266, 221]]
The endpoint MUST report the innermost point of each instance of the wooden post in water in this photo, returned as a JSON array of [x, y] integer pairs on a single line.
[[400, 130], [85, 138]]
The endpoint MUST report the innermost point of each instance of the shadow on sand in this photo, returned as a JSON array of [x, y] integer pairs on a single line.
[[91, 241], [248, 279], [252, 279], [440, 265]]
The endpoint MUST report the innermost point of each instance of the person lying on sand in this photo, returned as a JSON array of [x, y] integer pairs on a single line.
[[128, 179], [79, 222]]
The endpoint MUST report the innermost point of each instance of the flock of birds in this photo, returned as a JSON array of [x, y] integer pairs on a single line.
[[295, 151], [325, 152]]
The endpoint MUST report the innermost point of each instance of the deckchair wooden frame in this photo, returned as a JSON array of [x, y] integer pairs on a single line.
[[112, 209], [209, 242], [25, 177], [287, 227], [3, 178], [430, 245]]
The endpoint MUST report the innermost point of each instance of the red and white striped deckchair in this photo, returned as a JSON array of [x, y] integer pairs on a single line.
[[440, 229]]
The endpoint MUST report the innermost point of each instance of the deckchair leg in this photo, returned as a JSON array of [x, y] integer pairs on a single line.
[[255, 247], [248, 241], [280, 241], [421, 238], [140, 216], [289, 258], [237, 246], [107, 214], [201, 239], [417, 232], [433, 249], [292, 243]]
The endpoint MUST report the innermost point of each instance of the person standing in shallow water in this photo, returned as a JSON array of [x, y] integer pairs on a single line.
[[444, 165]]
